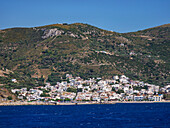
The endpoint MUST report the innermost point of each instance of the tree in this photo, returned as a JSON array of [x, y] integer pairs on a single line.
[[136, 88], [71, 90], [113, 89], [120, 91], [85, 85], [45, 95], [24, 98], [145, 87], [68, 81], [94, 90], [79, 90], [9, 97], [17, 93], [67, 99]]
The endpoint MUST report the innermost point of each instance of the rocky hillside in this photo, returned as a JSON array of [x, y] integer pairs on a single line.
[[6, 95], [47, 53]]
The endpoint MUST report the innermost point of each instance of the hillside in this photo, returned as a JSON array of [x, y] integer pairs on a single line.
[[47, 53]]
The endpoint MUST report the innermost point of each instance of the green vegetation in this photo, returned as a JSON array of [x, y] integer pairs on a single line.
[[119, 91], [79, 90], [45, 95], [9, 97], [53, 78], [83, 50], [113, 89], [72, 90], [67, 99]]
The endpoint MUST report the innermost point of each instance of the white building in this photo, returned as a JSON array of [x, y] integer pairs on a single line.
[[157, 98], [138, 98]]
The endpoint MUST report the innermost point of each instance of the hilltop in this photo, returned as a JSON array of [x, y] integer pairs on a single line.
[[46, 53]]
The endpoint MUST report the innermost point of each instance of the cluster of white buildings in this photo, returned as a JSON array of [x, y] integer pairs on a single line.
[[119, 88]]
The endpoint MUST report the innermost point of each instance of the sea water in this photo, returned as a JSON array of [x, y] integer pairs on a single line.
[[130, 115]]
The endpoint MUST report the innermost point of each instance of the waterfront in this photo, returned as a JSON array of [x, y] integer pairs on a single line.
[[75, 103], [104, 115], [92, 90]]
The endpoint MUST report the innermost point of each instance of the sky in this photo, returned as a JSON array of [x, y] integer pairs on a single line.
[[115, 15]]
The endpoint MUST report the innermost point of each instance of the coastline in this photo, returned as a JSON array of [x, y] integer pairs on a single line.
[[79, 103]]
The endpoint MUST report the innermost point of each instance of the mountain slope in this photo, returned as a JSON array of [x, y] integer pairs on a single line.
[[48, 52]]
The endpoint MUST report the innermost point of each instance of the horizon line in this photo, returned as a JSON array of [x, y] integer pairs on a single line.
[[83, 23]]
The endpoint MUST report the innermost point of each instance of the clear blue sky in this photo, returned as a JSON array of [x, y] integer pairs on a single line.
[[115, 15]]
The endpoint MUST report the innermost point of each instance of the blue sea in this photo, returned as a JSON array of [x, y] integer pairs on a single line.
[[150, 115]]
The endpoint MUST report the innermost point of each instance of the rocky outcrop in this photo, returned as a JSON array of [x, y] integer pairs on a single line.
[[51, 33]]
